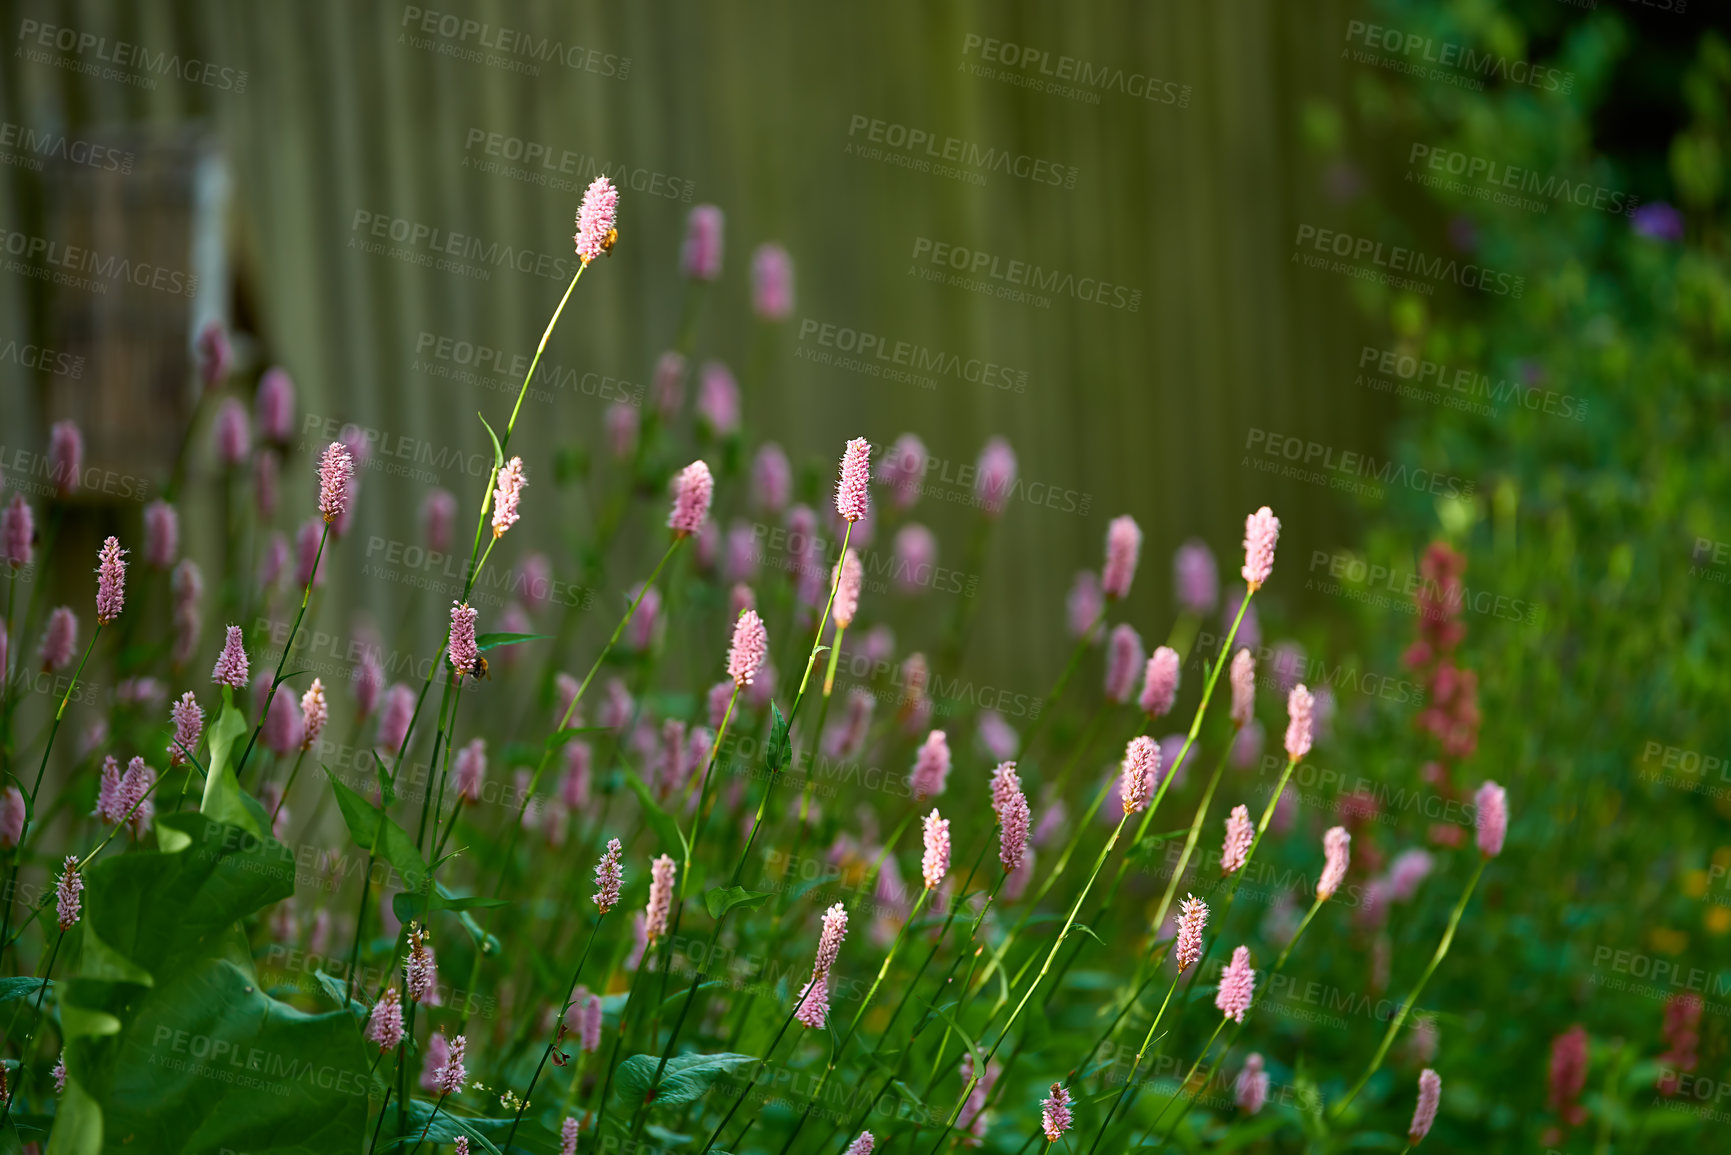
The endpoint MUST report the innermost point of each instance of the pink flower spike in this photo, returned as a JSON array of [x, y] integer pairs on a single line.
[[1261, 531], [59, 639], [1160, 682], [1192, 920], [1141, 767], [508, 493], [661, 875], [336, 479], [309, 564], [1014, 819], [438, 519], [772, 283], [1239, 834], [1195, 578], [749, 650], [65, 456], [369, 680], [1337, 855], [903, 468], [1251, 1087], [315, 712], [110, 581], [848, 576], [470, 772], [771, 478], [1123, 547], [69, 893], [568, 1136], [1299, 707], [693, 489], [450, 1077], [274, 405], [11, 817], [931, 766], [597, 220], [995, 477], [718, 399], [851, 490], [421, 969], [862, 1145], [394, 718], [1243, 676], [231, 665], [1237, 986], [813, 1008], [936, 861], [830, 940], [233, 432], [161, 534], [1055, 1116], [1424, 1114], [608, 875], [1124, 655], [385, 1024], [213, 353], [1492, 818], [1084, 604], [465, 656], [17, 532], [700, 255]]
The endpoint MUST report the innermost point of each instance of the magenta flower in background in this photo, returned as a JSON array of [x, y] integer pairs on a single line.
[[851, 489], [574, 784], [719, 698], [369, 681], [772, 283], [1123, 548], [622, 423], [11, 817], [283, 731], [608, 875], [1055, 1116], [903, 468], [1237, 986], [995, 476], [1424, 1113], [1491, 820], [274, 405], [1160, 682], [671, 767], [309, 562], [597, 220], [272, 564], [1409, 869], [1287, 665], [661, 875], [749, 649], [1261, 531], [1299, 706], [108, 792], [998, 736], [590, 1035], [916, 558], [450, 1077], [438, 519], [693, 489], [1243, 678], [935, 863], [315, 712], [931, 766], [1239, 835], [566, 712], [438, 1052], [233, 432], [1337, 855], [69, 893], [1251, 1087], [742, 556], [1192, 921], [1084, 605], [700, 255], [385, 1023], [65, 456], [718, 399], [470, 772], [161, 534], [394, 717], [465, 656], [17, 532], [848, 576], [110, 581], [534, 580], [771, 478], [1124, 656], [862, 1145], [212, 353], [509, 494], [667, 386], [1657, 220], [1195, 578], [136, 808], [1140, 768], [59, 639]]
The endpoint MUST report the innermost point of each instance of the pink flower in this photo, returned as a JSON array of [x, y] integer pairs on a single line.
[[1492, 818], [283, 731], [1140, 768], [11, 817], [509, 492], [1287, 665], [1160, 682], [597, 220], [1239, 835], [931, 766], [438, 1052], [622, 423], [718, 399], [1424, 1114], [830, 940], [995, 476], [336, 478], [1123, 659], [231, 665], [471, 770], [568, 1136], [309, 562], [421, 968], [848, 576], [998, 736], [936, 861], [1251, 1087], [161, 534], [1084, 605], [1298, 712], [395, 716], [1123, 546], [385, 1024], [65, 456], [1192, 920], [1055, 1117], [369, 680], [59, 639], [813, 1007], [233, 432], [916, 558], [110, 581], [590, 1034], [274, 405], [438, 518], [845, 736], [1237, 986], [1196, 581], [850, 491], [903, 468], [700, 255], [213, 353], [17, 532], [1243, 676], [574, 785], [608, 875], [108, 793], [450, 1077], [862, 1145], [465, 656], [749, 649], [661, 874], [315, 712], [1014, 818], [68, 893], [771, 478], [692, 490], [1261, 531], [772, 283], [1337, 855], [1410, 868]]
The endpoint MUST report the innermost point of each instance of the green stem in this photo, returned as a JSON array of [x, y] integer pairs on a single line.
[[1130, 1079], [306, 596], [563, 1011]]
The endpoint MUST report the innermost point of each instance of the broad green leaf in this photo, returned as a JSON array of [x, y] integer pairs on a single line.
[[686, 1079], [77, 1122], [720, 900], [387, 788], [407, 905], [666, 828], [339, 992], [376, 832], [498, 453], [20, 988], [531, 1136], [222, 800], [775, 751], [485, 642]]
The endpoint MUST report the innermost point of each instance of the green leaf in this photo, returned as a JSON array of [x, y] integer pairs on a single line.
[[20, 988], [665, 827], [720, 900], [222, 800], [408, 905], [486, 642], [375, 831], [339, 993], [1087, 930], [387, 788], [531, 1135], [498, 453], [775, 751], [686, 1079], [77, 1122]]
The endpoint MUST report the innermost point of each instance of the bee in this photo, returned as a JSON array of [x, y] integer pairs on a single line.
[[480, 670], [609, 241]]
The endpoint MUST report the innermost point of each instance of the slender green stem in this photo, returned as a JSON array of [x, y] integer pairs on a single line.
[[23, 1054], [288, 646], [294, 773], [1185, 1082], [563, 1011], [1130, 1079]]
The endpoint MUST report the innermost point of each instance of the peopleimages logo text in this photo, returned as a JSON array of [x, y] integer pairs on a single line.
[[1447, 54], [977, 263], [1400, 259]]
